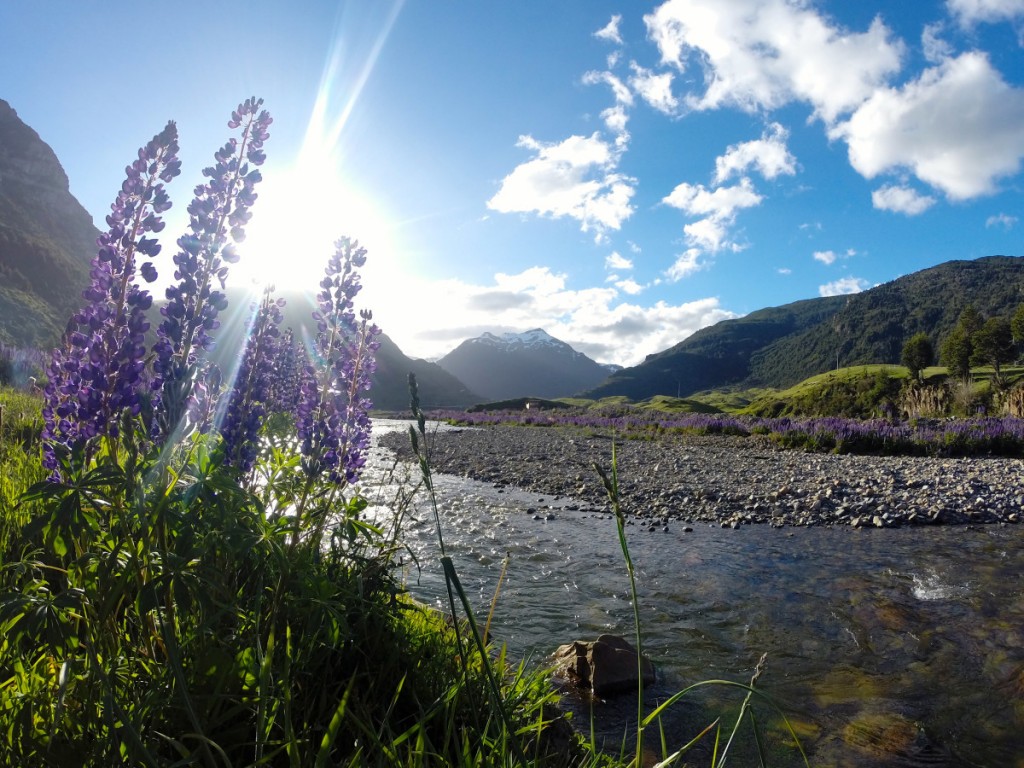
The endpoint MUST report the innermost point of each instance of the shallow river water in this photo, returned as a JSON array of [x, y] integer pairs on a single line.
[[892, 647]]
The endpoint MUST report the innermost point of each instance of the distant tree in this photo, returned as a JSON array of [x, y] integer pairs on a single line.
[[955, 353], [1017, 325], [970, 320], [918, 354], [993, 345], [957, 349]]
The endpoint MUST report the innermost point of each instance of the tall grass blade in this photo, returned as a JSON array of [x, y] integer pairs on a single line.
[[324, 753], [264, 721], [611, 485], [497, 592]]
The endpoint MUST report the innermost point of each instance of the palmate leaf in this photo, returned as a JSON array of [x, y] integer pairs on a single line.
[[74, 508], [37, 619]]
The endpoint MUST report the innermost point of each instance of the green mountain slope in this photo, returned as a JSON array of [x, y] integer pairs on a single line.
[[47, 240], [780, 346], [718, 355], [871, 327]]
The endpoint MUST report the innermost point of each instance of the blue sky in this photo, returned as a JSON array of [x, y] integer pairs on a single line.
[[620, 174]]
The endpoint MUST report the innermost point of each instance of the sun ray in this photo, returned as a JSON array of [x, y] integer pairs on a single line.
[[307, 203]]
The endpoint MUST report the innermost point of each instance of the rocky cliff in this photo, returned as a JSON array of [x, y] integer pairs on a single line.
[[47, 239]]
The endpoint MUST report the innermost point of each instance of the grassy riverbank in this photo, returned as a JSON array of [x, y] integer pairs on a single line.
[[214, 639]]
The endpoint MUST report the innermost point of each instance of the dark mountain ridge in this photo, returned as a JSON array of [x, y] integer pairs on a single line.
[[529, 364], [390, 390]]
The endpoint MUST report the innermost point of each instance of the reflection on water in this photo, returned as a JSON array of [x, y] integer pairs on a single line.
[[886, 647]]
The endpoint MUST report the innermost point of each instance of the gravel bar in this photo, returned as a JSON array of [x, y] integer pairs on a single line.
[[730, 480]]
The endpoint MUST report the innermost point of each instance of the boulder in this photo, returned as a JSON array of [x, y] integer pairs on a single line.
[[606, 666]]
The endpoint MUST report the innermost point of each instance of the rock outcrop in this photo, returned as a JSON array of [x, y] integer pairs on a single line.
[[607, 666]]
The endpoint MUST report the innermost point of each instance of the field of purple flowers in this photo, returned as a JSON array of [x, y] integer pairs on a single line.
[[922, 437]]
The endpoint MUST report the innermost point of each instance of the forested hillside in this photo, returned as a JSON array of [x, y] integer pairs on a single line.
[[780, 346]]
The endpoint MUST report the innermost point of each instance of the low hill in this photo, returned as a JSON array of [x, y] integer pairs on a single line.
[[780, 346], [871, 327]]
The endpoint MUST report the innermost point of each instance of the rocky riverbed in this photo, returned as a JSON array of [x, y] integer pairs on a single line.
[[728, 480]]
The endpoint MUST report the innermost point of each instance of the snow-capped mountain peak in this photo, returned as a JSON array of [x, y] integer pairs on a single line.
[[526, 363], [536, 337]]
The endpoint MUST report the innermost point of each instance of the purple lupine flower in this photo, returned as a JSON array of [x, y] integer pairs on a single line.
[[247, 404], [287, 381], [217, 217], [332, 419], [98, 373]]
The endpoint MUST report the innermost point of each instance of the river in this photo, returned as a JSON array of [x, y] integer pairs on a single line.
[[885, 647]]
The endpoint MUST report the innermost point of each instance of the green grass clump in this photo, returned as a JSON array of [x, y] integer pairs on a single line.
[[666, 404], [20, 422], [861, 392]]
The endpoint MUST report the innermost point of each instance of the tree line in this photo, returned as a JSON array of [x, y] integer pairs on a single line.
[[974, 341]]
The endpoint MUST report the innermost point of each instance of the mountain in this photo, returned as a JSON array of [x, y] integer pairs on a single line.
[[780, 346], [390, 389], [530, 364], [47, 239], [437, 387]]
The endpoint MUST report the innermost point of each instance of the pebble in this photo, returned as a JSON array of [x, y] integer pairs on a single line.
[[731, 481]]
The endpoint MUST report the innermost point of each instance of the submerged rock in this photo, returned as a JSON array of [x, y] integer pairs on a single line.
[[606, 666]]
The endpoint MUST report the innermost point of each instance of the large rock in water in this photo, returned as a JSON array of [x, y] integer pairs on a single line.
[[606, 666]]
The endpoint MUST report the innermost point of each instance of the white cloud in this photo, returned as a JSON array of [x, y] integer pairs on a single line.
[[971, 11], [610, 31], [720, 203], [1001, 220], [711, 235], [617, 261], [784, 271], [575, 178], [843, 286], [685, 264], [655, 89], [957, 127], [630, 286], [615, 118], [598, 321], [718, 207], [935, 48], [619, 89], [901, 200], [762, 54], [769, 155], [830, 257]]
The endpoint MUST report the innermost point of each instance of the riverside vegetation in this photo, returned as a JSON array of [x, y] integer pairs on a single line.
[[187, 572]]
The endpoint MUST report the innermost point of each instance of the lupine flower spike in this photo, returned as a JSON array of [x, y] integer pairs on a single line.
[[284, 389], [247, 403], [217, 217], [98, 374], [333, 423]]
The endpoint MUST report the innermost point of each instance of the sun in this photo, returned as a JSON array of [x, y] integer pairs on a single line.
[[300, 213]]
